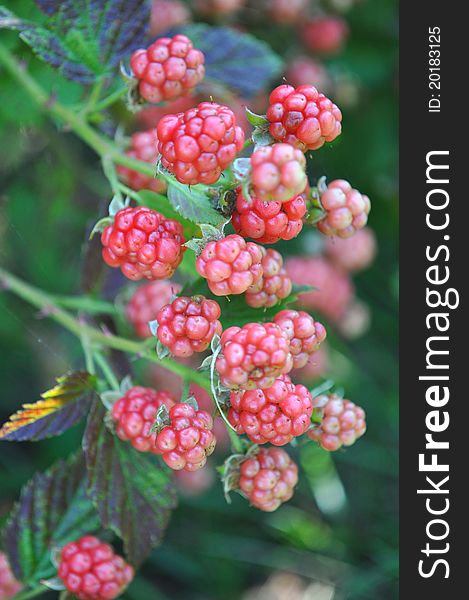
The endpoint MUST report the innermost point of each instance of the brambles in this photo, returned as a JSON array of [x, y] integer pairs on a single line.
[[274, 285], [134, 415], [268, 479], [277, 172], [168, 69], [325, 35], [230, 265], [91, 570], [9, 586], [341, 422], [146, 302], [268, 222], [303, 117], [143, 243], [188, 439], [346, 209], [253, 356], [188, 156], [144, 146], [188, 325], [305, 334], [275, 415], [197, 145]]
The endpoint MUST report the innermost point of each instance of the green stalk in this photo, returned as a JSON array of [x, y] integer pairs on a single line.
[[24, 594], [41, 300]]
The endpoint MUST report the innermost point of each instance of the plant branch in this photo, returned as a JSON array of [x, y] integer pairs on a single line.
[[43, 300]]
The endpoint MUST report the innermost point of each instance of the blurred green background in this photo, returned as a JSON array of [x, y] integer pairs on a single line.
[[337, 539]]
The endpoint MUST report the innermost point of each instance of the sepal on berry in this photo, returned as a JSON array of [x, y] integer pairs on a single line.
[[210, 233], [255, 119], [54, 583]]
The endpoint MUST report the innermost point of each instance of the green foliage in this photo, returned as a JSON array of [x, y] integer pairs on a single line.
[[132, 492], [53, 509], [83, 39]]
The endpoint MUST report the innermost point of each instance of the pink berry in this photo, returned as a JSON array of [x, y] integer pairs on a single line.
[[346, 210], [143, 243], [275, 415], [188, 325], [145, 303], [168, 69], [334, 288], [144, 147], [268, 479], [197, 145], [286, 11], [188, 440], [218, 8], [268, 222], [304, 70], [326, 35], [135, 413], [352, 254], [230, 265], [278, 173], [275, 284], [166, 14], [305, 334], [253, 356], [9, 586], [303, 117], [90, 570], [342, 422]]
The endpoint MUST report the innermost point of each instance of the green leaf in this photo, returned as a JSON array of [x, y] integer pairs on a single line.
[[193, 204], [234, 59], [162, 204], [83, 39], [53, 510], [60, 408], [132, 491]]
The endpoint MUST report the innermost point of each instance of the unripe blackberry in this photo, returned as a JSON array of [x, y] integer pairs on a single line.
[[218, 8], [268, 479], [304, 70], [144, 147], [143, 243], [326, 35], [277, 172], [275, 415], [355, 321], [286, 11], [135, 414], [146, 302], [253, 356], [230, 265], [274, 285], [334, 288], [167, 69], [9, 586], [90, 570], [268, 222], [343, 422], [302, 117], [346, 210], [305, 334], [352, 254], [188, 325], [167, 14], [205, 402], [188, 440], [197, 145]]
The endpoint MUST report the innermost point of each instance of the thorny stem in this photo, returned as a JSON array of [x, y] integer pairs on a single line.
[[44, 301]]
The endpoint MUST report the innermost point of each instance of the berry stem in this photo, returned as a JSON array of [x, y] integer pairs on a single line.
[[100, 144], [24, 594], [106, 370], [42, 300]]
